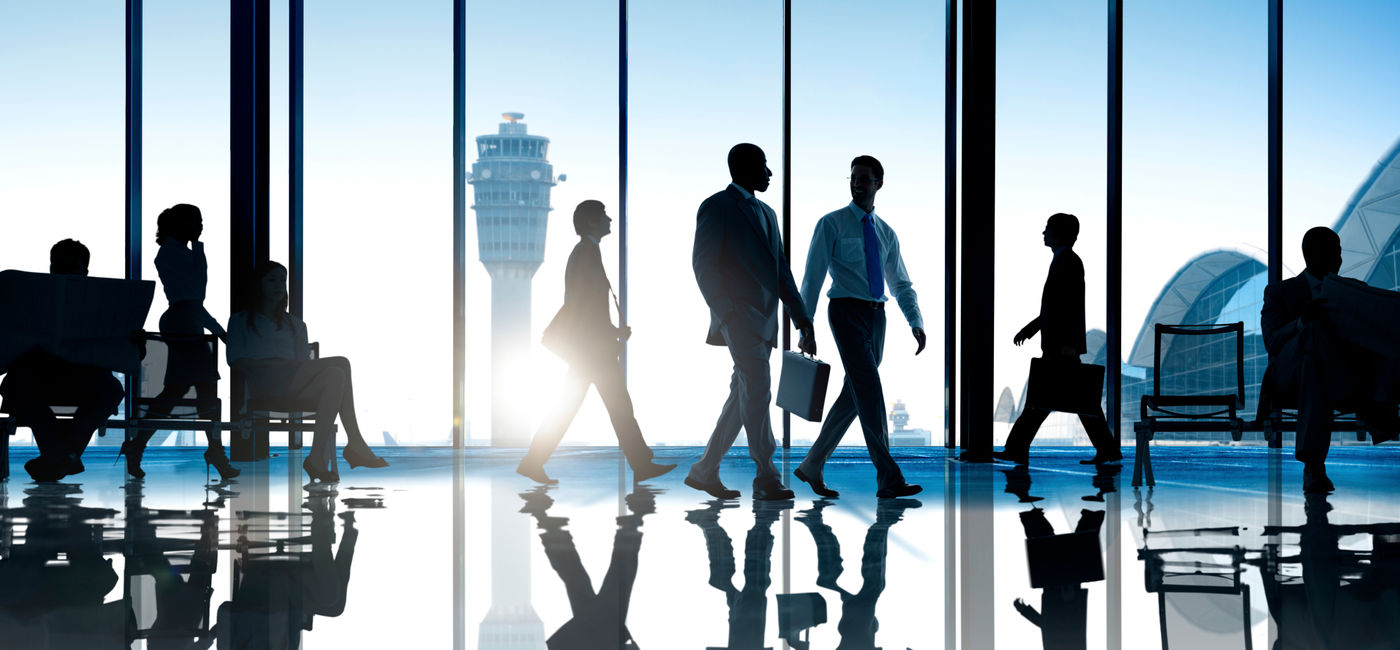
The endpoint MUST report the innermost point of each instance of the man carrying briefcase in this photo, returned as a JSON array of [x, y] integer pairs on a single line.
[[861, 253], [1058, 371]]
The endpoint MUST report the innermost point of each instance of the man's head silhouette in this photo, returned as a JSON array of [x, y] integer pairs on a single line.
[[748, 167], [1322, 250], [1061, 230], [867, 177], [69, 257], [591, 218]]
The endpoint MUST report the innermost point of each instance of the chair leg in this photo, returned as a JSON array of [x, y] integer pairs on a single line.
[[7, 429], [1142, 458]]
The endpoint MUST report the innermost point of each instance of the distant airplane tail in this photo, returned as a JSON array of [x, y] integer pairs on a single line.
[[389, 440]]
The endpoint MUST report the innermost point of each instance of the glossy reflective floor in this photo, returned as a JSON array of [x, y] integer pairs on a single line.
[[439, 551]]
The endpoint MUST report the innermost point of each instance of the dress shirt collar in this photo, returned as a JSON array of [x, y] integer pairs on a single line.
[[1314, 283], [860, 214], [742, 192], [593, 238], [1059, 250]]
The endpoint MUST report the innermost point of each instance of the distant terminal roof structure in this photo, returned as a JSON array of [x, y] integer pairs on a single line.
[[1178, 301], [1370, 222]]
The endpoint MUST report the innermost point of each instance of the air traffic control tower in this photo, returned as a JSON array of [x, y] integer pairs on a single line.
[[512, 180]]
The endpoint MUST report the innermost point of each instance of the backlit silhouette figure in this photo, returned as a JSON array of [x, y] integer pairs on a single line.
[[1061, 329], [270, 346], [583, 334], [748, 608], [184, 272], [739, 265]]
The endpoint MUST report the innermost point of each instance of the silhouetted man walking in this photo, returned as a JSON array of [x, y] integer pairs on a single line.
[[861, 253], [1061, 329], [739, 265]]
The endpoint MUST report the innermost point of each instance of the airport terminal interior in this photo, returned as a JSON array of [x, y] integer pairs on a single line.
[[273, 201]]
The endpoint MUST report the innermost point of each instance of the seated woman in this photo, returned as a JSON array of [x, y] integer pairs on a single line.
[[184, 272], [269, 346]]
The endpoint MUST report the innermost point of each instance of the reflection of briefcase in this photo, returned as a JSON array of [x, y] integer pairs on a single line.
[[802, 386], [1069, 559], [1065, 385]]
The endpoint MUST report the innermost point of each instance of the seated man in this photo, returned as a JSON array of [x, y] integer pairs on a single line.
[[38, 380], [1311, 363]]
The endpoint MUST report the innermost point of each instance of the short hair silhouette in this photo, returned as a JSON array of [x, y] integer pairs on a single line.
[[69, 257], [872, 163], [1320, 240], [176, 221], [586, 212], [1064, 224], [743, 157]]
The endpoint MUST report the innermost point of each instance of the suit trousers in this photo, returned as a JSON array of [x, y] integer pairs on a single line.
[[859, 331], [1028, 424], [747, 406], [606, 376]]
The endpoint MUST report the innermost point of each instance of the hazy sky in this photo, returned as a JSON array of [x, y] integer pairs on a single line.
[[703, 76]]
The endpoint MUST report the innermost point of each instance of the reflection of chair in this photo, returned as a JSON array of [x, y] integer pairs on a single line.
[[1197, 412], [1195, 587], [257, 418], [798, 613]]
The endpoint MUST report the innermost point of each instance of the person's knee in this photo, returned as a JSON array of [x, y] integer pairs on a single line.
[[340, 362]]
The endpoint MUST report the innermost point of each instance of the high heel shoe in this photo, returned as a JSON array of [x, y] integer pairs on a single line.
[[219, 461], [133, 451], [363, 458], [319, 474]]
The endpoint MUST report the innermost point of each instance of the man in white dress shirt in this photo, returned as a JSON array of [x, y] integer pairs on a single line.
[[861, 253]]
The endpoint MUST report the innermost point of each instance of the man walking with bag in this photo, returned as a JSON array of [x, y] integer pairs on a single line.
[[861, 252], [1061, 328], [740, 268]]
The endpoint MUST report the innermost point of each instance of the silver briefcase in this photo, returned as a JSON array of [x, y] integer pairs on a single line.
[[802, 385]]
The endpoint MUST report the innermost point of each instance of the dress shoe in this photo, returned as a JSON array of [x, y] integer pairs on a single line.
[[894, 492], [650, 471], [535, 473], [713, 488], [1103, 457], [1013, 456], [1315, 479], [43, 470], [818, 485], [771, 491]]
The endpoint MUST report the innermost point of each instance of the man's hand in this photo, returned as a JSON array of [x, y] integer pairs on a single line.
[[921, 338], [624, 333], [1025, 333], [1315, 310], [808, 341]]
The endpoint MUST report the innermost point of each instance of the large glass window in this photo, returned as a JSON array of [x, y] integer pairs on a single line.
[[542, 129], [1195, 162], [702, 79], [378, 206], [885, 102], [62, 134]]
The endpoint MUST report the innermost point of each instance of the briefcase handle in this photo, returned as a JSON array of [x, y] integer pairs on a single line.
[[804, 355]]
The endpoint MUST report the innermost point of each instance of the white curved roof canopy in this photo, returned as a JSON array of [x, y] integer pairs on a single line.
[[1371, 218], [1181, 293]]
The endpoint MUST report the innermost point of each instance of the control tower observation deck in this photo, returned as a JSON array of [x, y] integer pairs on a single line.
[[512, 180]]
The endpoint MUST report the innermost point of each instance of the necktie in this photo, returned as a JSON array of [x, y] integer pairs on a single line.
[[872, 257]]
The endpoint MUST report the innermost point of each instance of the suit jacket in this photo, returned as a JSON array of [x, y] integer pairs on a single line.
[[1283, 306], [584, 324], [1061, 319], [741, 271]]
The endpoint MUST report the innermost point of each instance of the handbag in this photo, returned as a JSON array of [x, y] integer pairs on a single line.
[[1065, 385], [802, 385], [560, 335]]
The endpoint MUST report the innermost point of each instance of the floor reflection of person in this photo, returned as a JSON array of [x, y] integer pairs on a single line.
[[748, 607], [56, 581], [277, 598], [858, 624], [39, 380], [599, 616], [1064, 607], [270, 346], [1346, 600], [184, 274], [181, 596], [584, 335]]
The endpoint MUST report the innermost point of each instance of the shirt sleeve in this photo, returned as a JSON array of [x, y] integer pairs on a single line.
[[900, 286], [818, 264]]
